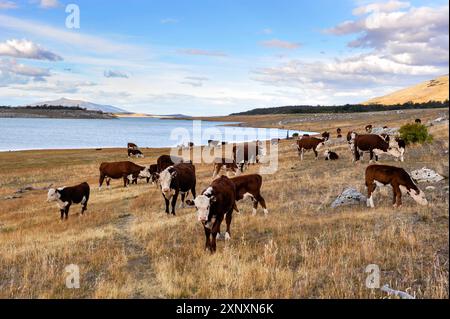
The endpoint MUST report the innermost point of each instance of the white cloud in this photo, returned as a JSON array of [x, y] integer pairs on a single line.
[[276, 43], [12, 72], [26, 49], [381, 7], [169, 21], [202, 52], [4, 5], [49, 4], [114, 74], [194, 81]]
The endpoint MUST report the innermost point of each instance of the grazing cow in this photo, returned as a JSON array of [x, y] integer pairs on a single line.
[[66, 196], [398, 178], [418, 121], [116, 170], [213, 143], [132, 146], [385, 137], [227, 163], [339, 132], [176, 179], [165, 161], [329, 155], [374, 144], [326, 135], [309, 143], [248, 153], [249, 186], [135, 152], [153, 169], [218, 200], [369, 128]]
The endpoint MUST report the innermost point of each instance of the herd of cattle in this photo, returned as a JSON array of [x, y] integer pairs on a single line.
[[177, 177]]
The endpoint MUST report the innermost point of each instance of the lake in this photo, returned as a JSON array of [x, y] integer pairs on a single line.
[[32, 133]]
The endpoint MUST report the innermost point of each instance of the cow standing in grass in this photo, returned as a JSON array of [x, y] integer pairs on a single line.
[[125, 170], [216, 202], [177, 179], [249, 186], [66, 196], [398, 178], [309, 143]]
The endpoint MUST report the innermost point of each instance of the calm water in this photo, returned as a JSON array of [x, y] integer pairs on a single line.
[[26, 134]]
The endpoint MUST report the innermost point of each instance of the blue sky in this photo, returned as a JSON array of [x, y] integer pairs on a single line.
[[212, 57]]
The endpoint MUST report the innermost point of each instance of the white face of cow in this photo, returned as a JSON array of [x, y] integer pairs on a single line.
[[202, 204], [419, 198], [320, 146], [165, 179], [394, 151], [145, 173], [326, 153], [53, 195]]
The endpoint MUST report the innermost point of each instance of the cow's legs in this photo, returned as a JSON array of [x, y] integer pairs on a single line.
[[100, 181], [108, 182], [208, 238], [301, 154], [315, 153], [255, 205], [397, 201], [194, 193], [125, 181], [174, 202], [183, 195], [62, 213], [216, 171], [167, 204], [228, 219], [262, 202], [215, 230], [370, 190], [66, 211], [371, 156]]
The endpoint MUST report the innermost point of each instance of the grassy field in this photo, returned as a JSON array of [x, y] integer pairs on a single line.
[[127, 247]]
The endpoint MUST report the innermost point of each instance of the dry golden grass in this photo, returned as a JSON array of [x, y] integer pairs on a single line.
[[126, 246]]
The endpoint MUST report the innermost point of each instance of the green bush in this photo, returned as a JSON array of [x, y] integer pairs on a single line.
[[415, 133], [295, 135]]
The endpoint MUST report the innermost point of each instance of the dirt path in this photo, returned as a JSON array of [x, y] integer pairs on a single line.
[[139, 269]]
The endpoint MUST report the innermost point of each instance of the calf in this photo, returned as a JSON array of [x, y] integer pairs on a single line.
[[374, 144], [309, 143], [218, 200], [66, 196], [398, 178], [135, 152], [153, 170], [369, 128], [326, 135], [229, 165], [418, 121], [176, 179], [213, 143], [329, 155], [249, 186], [116, 170], [339, 132]]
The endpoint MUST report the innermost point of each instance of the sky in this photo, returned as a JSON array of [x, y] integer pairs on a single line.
[[216, 57]]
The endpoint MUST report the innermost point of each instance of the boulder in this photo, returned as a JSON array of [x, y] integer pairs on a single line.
[[426, 175], [389, 131], [349, 196]]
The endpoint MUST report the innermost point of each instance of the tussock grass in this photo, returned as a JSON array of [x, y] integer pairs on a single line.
[[126, 246]]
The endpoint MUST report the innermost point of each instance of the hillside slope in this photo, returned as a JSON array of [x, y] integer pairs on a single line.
[[433, 90], [83, 104]]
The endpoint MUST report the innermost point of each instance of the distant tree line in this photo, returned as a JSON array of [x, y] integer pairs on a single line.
[[50, 107], [347, 108]]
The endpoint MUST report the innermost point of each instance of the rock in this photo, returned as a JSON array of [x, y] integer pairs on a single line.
[[426, 175], [349, 196], [430, 188], [389, 131]]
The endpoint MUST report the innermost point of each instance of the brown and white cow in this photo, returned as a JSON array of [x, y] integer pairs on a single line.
[[177, 179], [227, 163], [249, 186], [369, 128], [125, 170], [153, 169], [135, 152], [329, 155], [248, 153], [398, 178], [66, 196], [165, 161], [132, 146], [326, 135], [216, 202], [308, 143], [374, 144]]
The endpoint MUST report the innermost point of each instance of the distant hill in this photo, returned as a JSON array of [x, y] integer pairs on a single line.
[[82, 104], [434, 90]]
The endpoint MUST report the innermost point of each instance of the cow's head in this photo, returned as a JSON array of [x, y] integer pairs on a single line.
[[165, 181], [145, 173], [321, 145], [53, 195], [326, 153], [203, 204], [418, 196], [394, 151]]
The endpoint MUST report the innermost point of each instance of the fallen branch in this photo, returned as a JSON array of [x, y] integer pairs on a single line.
[[32, 188], [398, 293]]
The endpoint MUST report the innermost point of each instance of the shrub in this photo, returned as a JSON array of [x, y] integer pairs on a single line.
[[415, 133], [295, 135]]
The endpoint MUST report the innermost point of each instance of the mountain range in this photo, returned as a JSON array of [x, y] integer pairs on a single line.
[[83, 104]]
